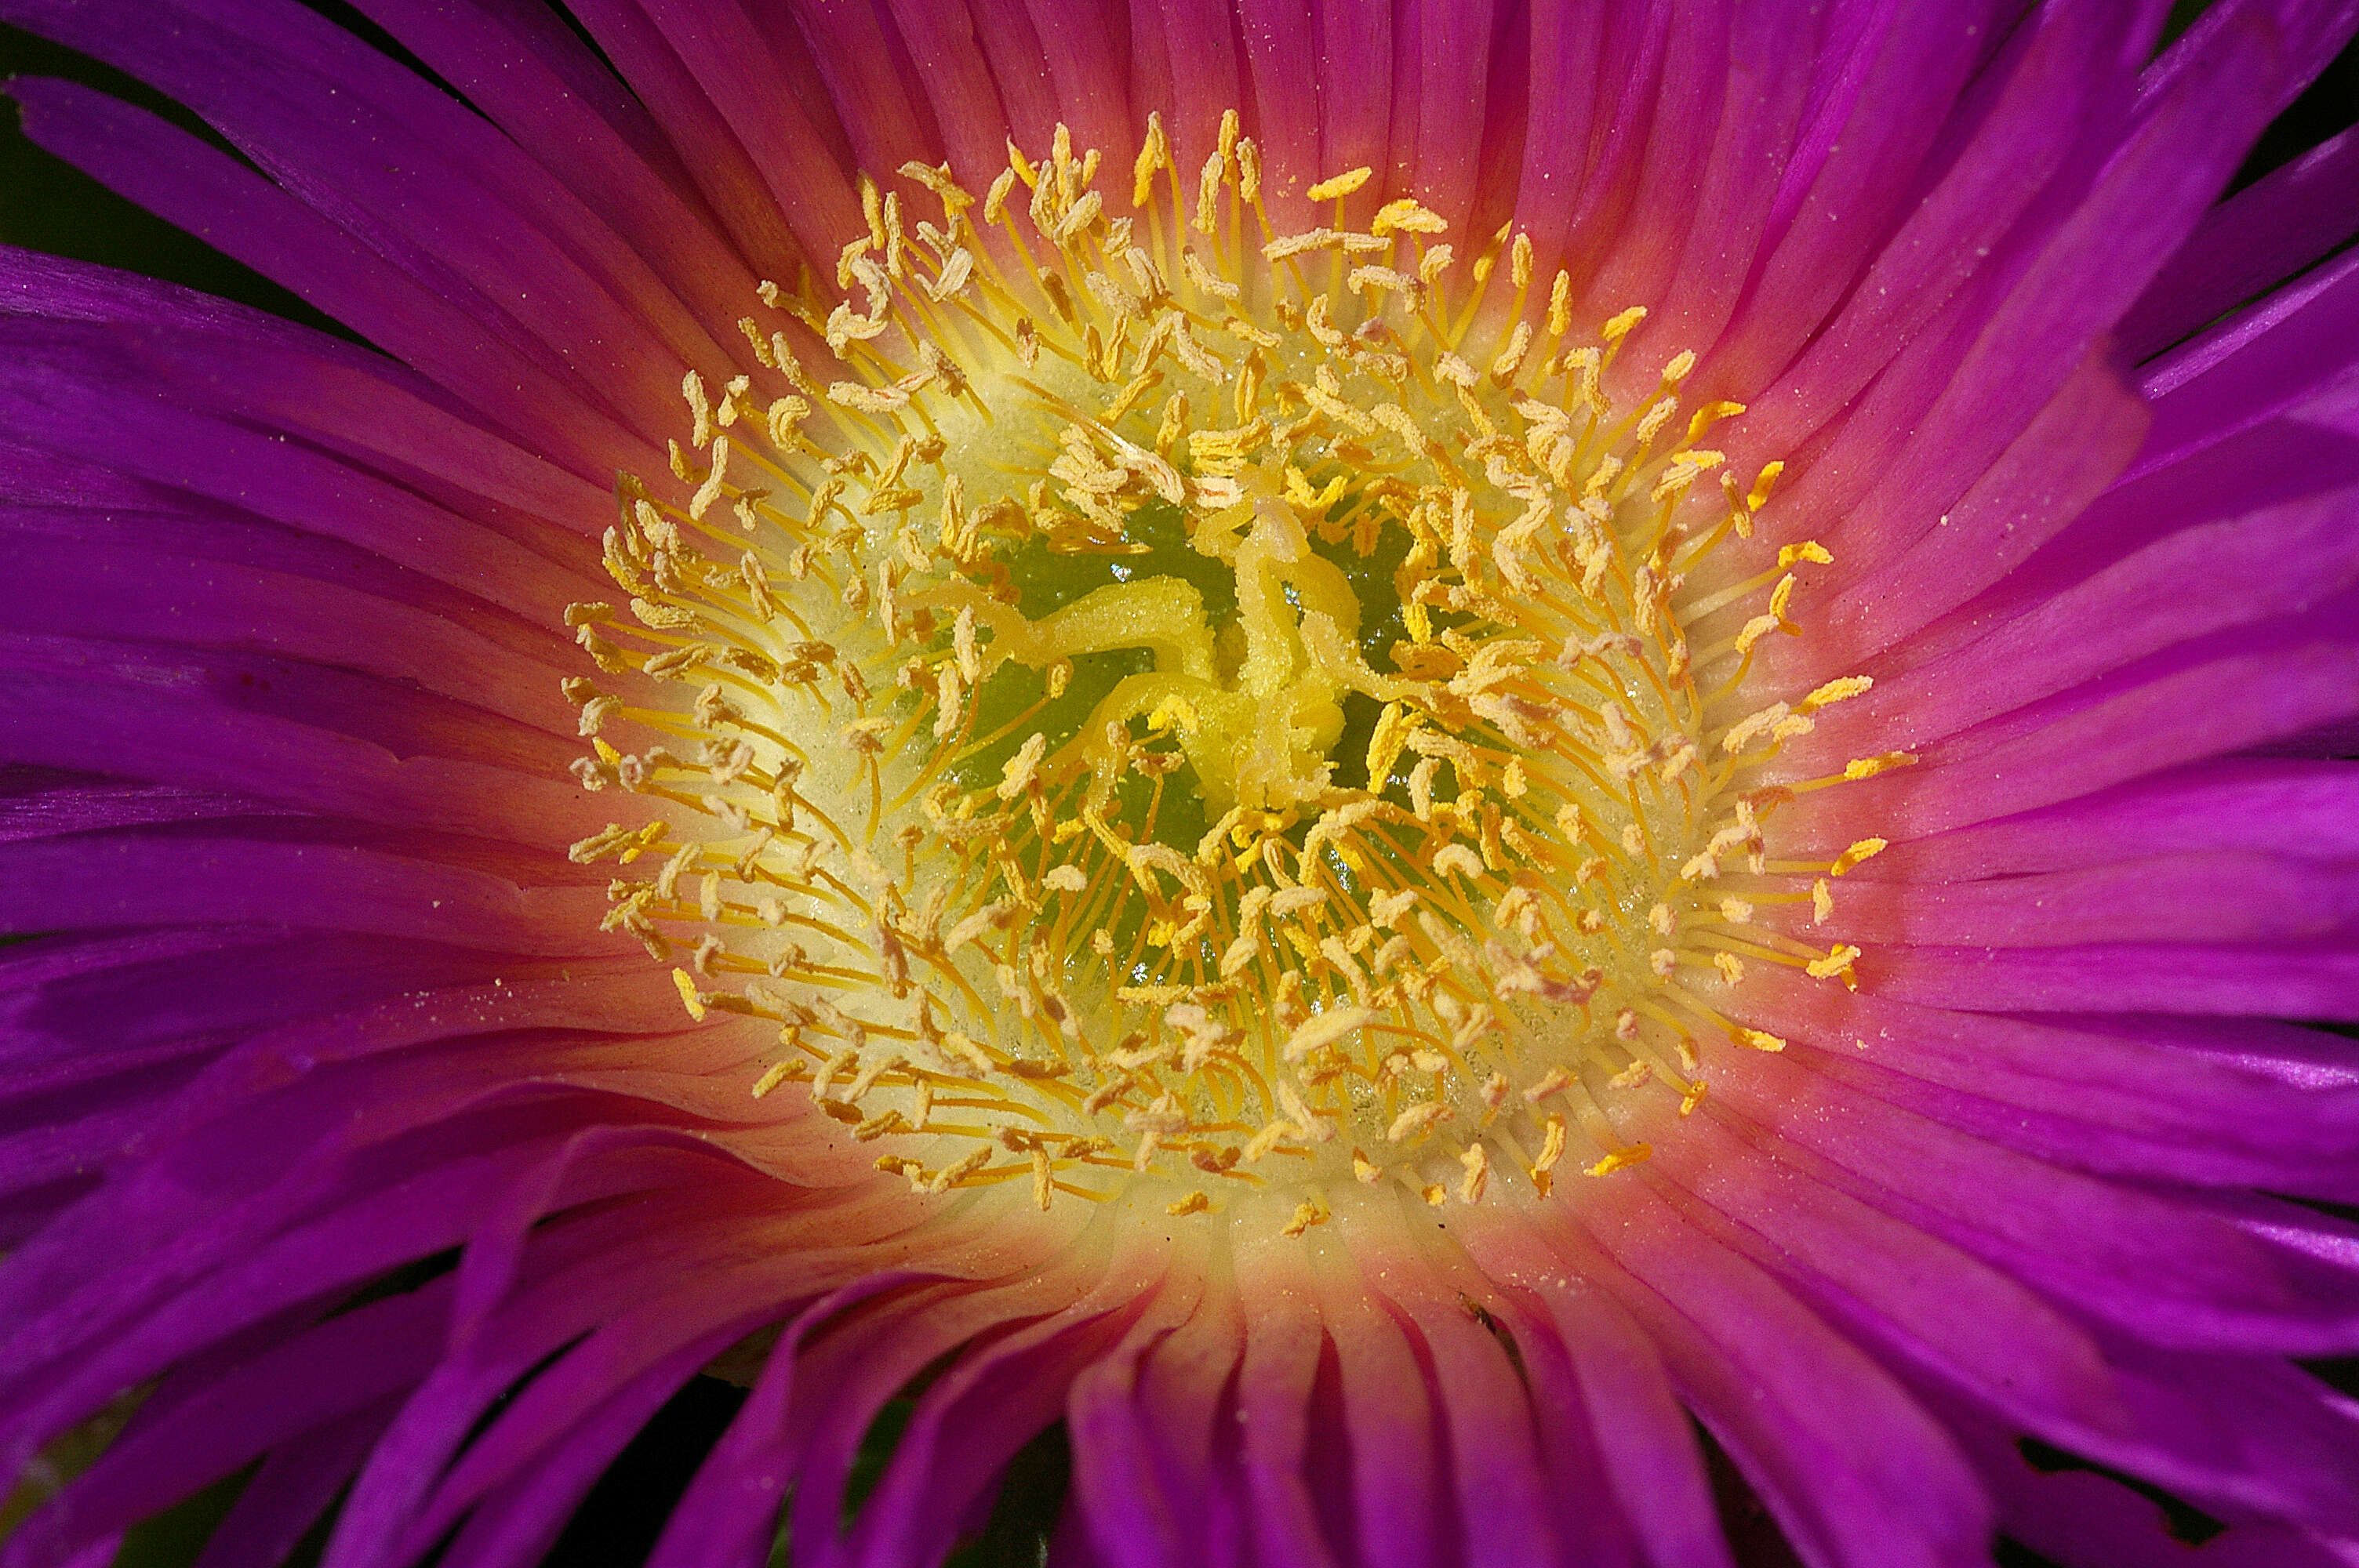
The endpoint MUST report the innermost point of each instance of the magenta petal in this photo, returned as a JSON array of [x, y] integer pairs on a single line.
[[1886, 100], [2287, 558], [1645, 1442], [1085, 48], [534, 78], [177, 175], [727, 61], [274, 1398], [1741, 171], [2229, 703], [732, 1507], [966, 99], [2318, 979], [512, 242], [2116, 1102], [2079, 1516], [2270, 231], [2273, 806], [1852, 1468], [1394, 1481], [854, 51], [1356, 45], [1207, 67], [2133, 901], [1580, 162], [1443, 69], [213, 604], [2150, 1266], [1991, 385], [1678, 161], [292, 1489], [1162, 1433], [951, 1453], [1279, 56], [516, 1526], [1963, 1320], [526, 1471], [2065, 458], [2264, 362], [1276, 1381], [1509, 1481], [2307, 32], [224, 881], [843, 1382]]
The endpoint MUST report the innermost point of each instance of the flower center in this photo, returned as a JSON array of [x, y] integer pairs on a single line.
[[1168, 706]]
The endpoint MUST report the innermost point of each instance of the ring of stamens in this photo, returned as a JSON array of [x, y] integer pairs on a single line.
[[1166, 705]]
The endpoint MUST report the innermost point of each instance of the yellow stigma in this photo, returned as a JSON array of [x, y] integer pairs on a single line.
[[1164, 700]]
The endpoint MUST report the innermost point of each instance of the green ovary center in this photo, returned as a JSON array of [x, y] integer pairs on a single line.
[[1256, 709]]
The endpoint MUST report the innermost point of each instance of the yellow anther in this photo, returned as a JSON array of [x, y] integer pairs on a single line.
[[1325, 1029], [1154, 154], [1552, 1146], [994, 200], [1405, 216], [1865, 850], [1457, 860], [1620, 327], [1868, 767], [1337, 187], [1477, 1161], [1022, 166], [1415, 1120], [1838, 961], [1709, 415], [1554, 1081], [1621, 1160], [1838, 690], [690, 997], [951, 1175], [778, 1074]]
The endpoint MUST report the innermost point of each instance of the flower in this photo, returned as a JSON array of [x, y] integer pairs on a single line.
[[1394, 754]]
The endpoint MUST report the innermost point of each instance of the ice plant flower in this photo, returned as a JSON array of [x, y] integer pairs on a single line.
[[1464, 771]]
